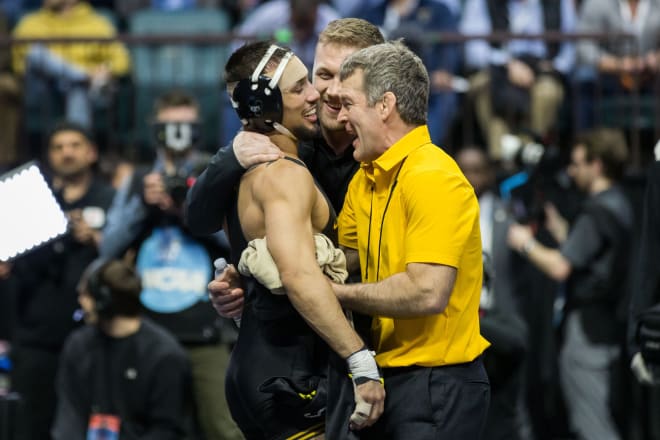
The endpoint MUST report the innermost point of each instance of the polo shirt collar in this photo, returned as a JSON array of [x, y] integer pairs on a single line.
[[401, 149]]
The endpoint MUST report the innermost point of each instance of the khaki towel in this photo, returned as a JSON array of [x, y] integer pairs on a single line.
[[257, 262]]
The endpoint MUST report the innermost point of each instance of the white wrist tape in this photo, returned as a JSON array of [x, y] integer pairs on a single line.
[[362, 364]]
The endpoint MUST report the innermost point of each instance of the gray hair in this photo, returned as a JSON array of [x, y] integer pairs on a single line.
[[392, 67]]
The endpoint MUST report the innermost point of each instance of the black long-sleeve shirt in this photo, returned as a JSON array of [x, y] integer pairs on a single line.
[[142, 378], [45, 280], [215, 189]]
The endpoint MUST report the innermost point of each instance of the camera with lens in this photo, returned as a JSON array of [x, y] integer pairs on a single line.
[[178, 138], [178, 183], [176, 186], [538, 178]]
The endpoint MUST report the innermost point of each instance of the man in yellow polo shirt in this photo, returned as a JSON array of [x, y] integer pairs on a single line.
[[414, 220]]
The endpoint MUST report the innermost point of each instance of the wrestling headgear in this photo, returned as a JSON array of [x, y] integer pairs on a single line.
[[258, 100]]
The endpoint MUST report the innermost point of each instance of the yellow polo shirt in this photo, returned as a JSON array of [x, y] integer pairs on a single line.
[[414, 205]]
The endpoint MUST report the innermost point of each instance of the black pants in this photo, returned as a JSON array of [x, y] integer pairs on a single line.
[[33, 377], [449, 402]]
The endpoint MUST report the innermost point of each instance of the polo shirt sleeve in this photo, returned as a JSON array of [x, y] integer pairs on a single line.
[[442, 216]]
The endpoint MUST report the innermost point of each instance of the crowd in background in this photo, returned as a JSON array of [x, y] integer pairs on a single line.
[[510, 111], [548, 87]]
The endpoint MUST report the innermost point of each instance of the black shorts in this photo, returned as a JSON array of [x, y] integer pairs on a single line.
[[277, 376]]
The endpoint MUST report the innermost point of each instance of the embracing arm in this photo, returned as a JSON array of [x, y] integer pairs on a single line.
[[211, 195], [422, 289], [213, 192]]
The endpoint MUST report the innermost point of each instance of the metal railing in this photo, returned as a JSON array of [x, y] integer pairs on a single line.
[[122, 126]]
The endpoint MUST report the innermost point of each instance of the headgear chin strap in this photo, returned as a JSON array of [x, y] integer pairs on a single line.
[[258, 100]]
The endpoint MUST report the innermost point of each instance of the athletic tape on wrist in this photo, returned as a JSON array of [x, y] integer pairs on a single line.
[[362, 364]]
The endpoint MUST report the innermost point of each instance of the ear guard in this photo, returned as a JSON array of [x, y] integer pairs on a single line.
[[258, 99]]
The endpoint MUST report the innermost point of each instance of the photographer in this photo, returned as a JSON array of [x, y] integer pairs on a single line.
[[145, 222], [150, 196], [592, 262]]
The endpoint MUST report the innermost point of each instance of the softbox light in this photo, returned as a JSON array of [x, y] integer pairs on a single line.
[[30, 214]]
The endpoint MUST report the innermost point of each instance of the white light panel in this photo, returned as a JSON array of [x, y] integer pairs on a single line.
[[30, 214]]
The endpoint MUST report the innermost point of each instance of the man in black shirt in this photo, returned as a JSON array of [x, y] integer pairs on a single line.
[[122, 376], [44, 280]]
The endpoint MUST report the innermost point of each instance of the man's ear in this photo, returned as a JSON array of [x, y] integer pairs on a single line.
[[387, 105]]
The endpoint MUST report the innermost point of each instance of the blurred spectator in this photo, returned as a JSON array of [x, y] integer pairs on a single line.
[[83, 73], [45, 279], [348, 8], [240, 9], [10, 102], [125, 8], [293, 23], [146, 221], [501, 321], [14, 9], [122, 376], [116, 168], [592, 262], [646, 279], [413, 20], [616, 65], [645, 291], [519, 82], [173, 5]]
